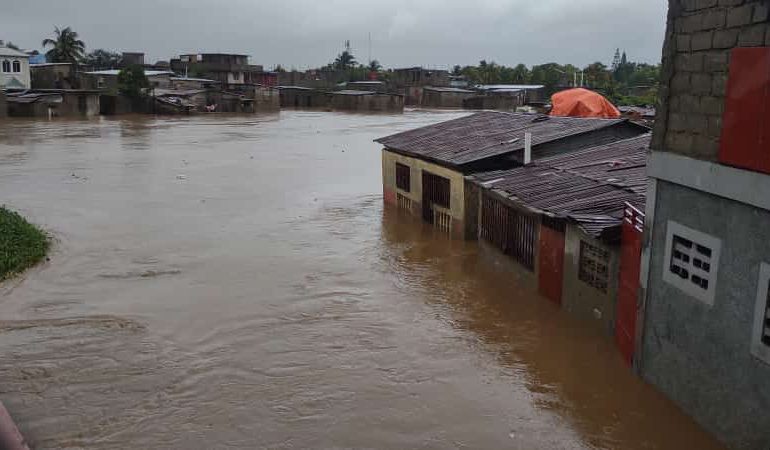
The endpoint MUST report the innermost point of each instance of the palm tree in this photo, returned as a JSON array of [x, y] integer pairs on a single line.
[[374, 66], [66, 47], [345, 60]]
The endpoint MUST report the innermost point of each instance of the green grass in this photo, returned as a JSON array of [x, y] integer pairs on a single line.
[[22, 245]]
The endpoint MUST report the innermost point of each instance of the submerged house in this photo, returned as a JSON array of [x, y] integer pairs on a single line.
[[353, 100], [53, 103], [561, 218], [445, 97], [424, 170]]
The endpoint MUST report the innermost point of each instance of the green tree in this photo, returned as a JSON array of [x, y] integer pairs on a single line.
[[520, 74], [102, 59], [65, 48], [375, 66], [131, 81]]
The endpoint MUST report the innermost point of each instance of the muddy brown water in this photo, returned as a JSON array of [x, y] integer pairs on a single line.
[[226, 282]]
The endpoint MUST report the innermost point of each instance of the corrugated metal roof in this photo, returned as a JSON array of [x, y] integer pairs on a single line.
[[115, 72], [588, 186], [448, 89], [487, 134], [519, 87]]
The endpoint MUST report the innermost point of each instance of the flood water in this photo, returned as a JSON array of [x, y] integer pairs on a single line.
[[223, 282]]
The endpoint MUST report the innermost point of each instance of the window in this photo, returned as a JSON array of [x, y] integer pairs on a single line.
[[16, 67], [594, 268], [236, 76], [691, 261], [760, 343], [6, 66], [403, 177]]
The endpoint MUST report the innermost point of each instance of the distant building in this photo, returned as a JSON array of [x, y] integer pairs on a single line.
[[223, 67], [53, 76], [132, 59], [424, 170], [53, 103], [107, 80], [445, 97], [366, 101], [410, 81], [14, 69], [529, 93]]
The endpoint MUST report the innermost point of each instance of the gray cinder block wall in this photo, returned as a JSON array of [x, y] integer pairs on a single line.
[[696, 55], [700, 354]]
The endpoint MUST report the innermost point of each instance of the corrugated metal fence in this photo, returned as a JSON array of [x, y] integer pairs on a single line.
[[512, 231]]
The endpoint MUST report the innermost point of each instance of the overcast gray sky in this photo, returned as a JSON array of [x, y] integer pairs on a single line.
[[309, 33]]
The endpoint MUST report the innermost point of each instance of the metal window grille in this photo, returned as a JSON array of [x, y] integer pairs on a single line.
[[510, 230], [403, 177], [436, 189], [404, 202], [594, 266]]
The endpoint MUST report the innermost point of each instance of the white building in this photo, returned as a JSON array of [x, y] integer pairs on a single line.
[[14, 69]]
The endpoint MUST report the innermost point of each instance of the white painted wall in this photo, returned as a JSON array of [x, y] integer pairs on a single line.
[[22, 76]]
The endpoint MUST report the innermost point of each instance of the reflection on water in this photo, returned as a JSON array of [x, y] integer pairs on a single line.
[[234, 282]]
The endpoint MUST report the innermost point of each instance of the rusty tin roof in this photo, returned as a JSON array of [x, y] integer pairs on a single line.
[[588, 186], [487, 134]]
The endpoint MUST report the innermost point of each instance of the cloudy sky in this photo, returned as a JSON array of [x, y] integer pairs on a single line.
[[309, 33]]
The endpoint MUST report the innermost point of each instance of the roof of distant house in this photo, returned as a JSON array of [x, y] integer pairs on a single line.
[[7, 51], [115, 72], [32, 66], [198, 80], [588, 186], [488, 134], [509, 87], [353, 92], [448, 89]]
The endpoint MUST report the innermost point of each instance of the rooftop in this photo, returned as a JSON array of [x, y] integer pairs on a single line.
[[508, 87], [588, 186], [115, 72], [448, 89], [7, 51], [199, 80], [487, 134]]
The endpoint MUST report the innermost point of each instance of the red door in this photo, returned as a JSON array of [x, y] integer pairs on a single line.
[[628, 289], [551, 262]]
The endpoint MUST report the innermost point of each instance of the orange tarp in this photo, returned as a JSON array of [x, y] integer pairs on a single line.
[[581, 102]]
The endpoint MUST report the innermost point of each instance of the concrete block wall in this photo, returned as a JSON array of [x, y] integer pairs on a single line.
[[696, 56]]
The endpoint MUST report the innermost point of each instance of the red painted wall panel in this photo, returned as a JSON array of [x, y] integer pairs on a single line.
[[551, 264], [628, 289], [744, 142]]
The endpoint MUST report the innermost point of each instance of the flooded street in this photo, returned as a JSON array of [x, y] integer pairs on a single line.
[[222, 282]]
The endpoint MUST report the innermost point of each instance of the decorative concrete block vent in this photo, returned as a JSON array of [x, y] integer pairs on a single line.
[[760, 343], [692, 261]]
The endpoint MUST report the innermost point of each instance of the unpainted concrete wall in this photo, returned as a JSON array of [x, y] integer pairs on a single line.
[[456, 180], [438, 99], [699, 355], [696, 55], [578, 297], [367, 103]]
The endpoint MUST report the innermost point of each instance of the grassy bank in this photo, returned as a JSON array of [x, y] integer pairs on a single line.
[[22, 245]]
